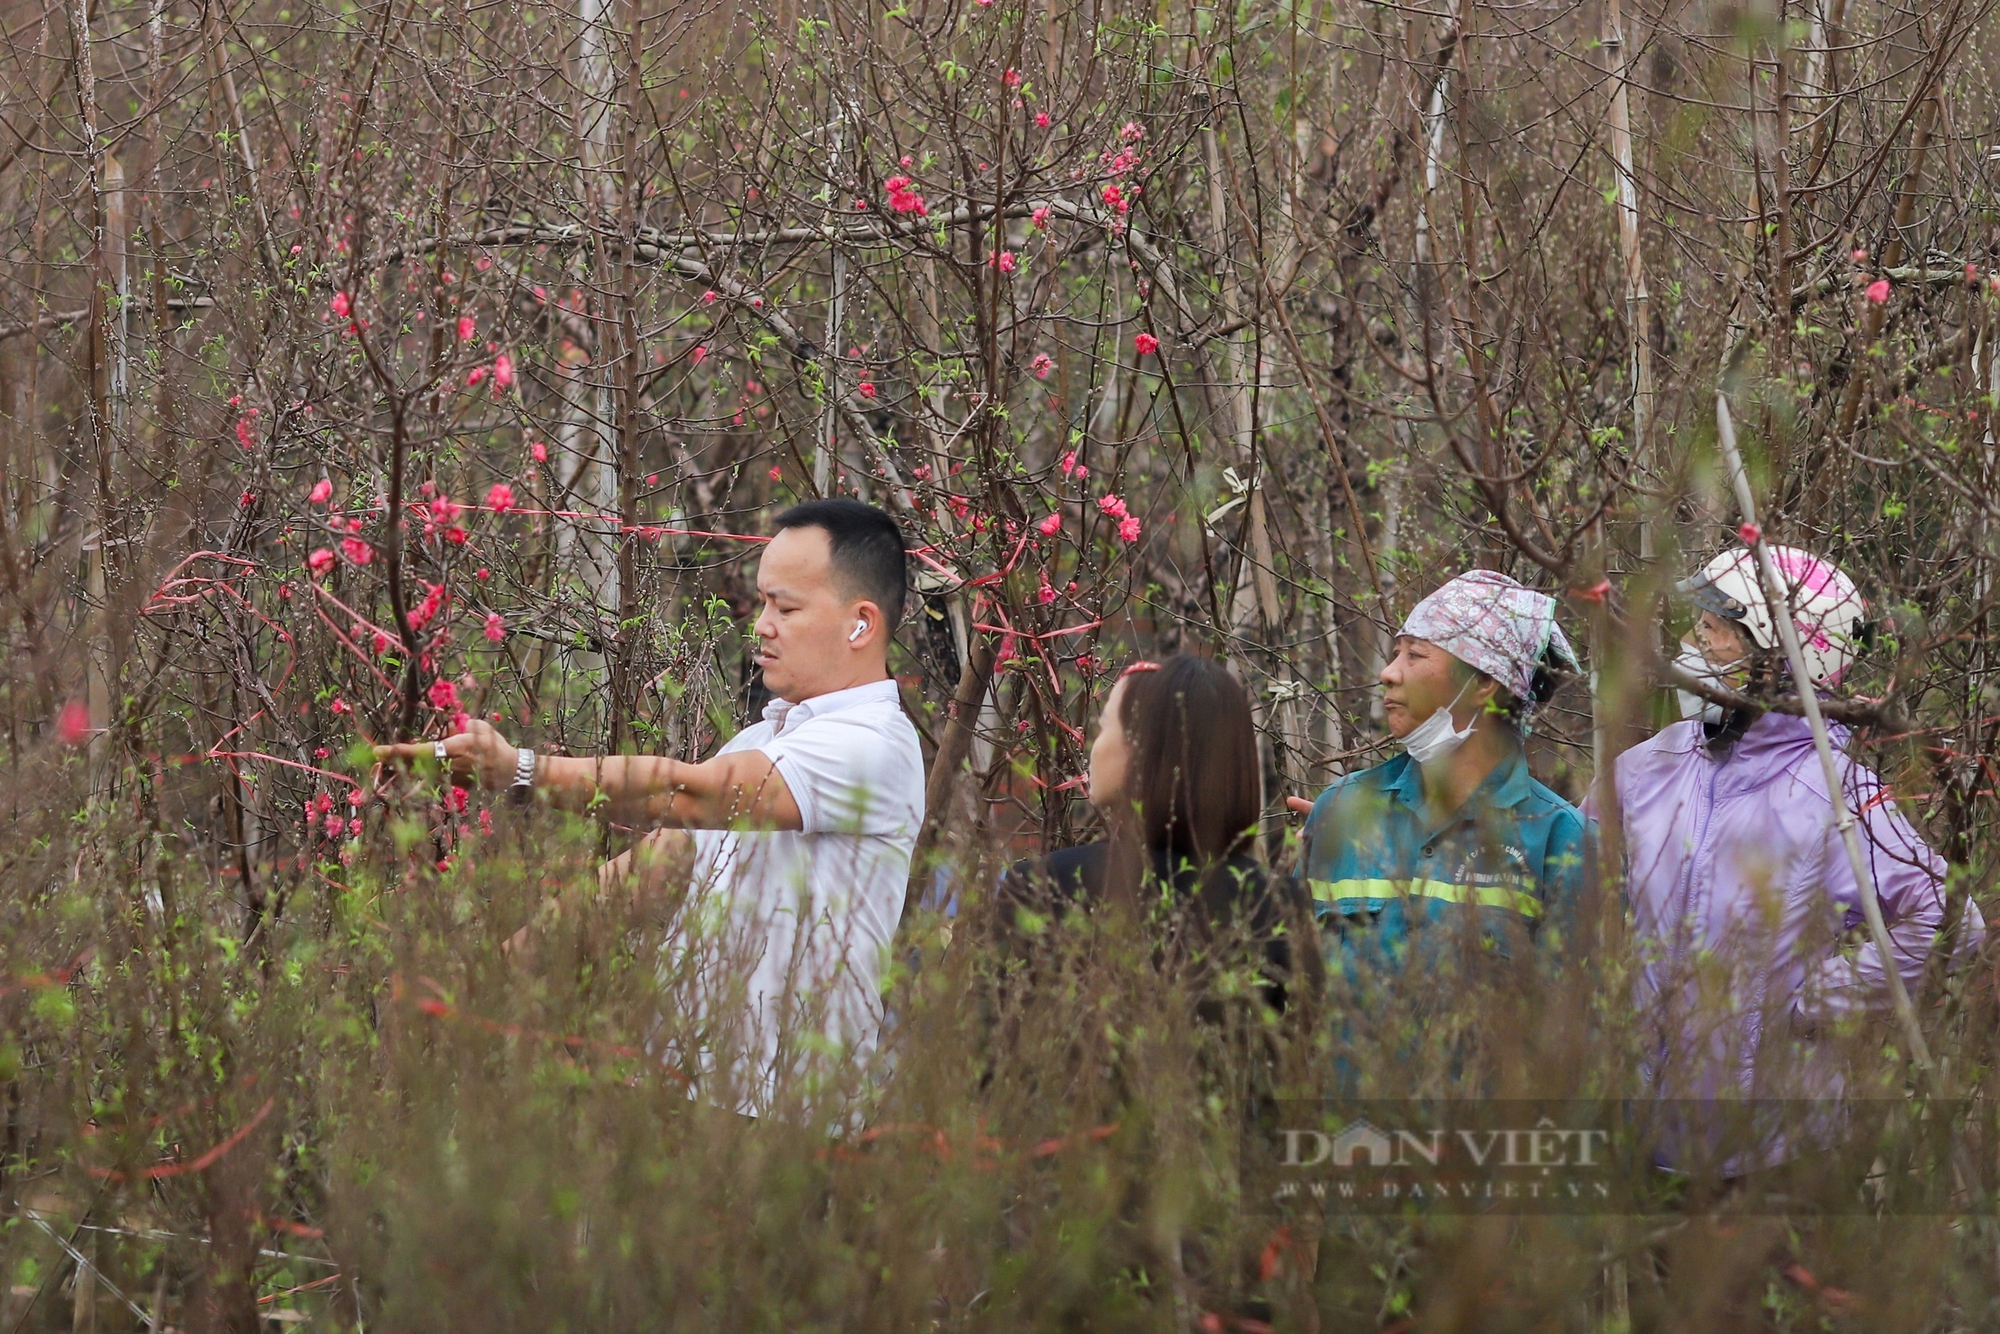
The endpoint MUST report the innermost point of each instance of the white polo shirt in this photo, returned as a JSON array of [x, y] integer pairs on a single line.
[[803, 919]]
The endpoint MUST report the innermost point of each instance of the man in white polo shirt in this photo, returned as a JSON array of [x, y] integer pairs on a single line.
[[805, 822]]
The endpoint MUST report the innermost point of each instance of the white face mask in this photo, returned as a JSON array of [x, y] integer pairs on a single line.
[[1434, 738], [1696, 664]]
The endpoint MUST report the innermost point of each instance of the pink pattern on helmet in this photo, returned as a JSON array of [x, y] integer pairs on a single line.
[[1802, 569], [1827, 608]]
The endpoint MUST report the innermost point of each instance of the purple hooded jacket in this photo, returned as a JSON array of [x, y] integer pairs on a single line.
[[1741, 897]]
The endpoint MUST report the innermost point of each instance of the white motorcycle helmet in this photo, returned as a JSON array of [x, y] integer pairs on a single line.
[[1831, 617]]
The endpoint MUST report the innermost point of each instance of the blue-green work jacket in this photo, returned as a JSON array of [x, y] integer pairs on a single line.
[[1513, 854]]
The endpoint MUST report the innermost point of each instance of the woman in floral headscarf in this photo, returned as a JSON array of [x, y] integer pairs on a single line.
[[1454, 830]]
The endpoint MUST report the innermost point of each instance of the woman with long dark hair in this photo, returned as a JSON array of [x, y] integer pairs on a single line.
[[1175, 775]]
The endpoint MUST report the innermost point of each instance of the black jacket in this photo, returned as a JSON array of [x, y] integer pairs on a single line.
[[1271, 911]]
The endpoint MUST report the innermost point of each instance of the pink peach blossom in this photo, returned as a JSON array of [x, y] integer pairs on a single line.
[[903, 199], [73, 723], [434, 598]]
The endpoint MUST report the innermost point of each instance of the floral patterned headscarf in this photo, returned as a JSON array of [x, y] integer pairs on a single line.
[[1488, 621]]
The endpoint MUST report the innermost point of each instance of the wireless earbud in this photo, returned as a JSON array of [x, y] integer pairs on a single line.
[[860, 629]]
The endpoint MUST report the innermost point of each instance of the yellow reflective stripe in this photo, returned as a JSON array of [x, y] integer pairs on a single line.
[[1485, 896]]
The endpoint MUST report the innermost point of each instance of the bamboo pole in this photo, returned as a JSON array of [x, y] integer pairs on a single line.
[[589, 412], [1638, 300], [1606, 683], [97, 687], [1256, 586], [1788, 635], [1238, 422], [827, 449], [625, 682]]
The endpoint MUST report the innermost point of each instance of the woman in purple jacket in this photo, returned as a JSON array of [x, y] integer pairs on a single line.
[[1753, 952]]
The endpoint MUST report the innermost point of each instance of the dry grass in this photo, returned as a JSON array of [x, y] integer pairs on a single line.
[[371, 1119]]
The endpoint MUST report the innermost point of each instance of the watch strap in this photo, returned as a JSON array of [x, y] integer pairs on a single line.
[[524, 776]]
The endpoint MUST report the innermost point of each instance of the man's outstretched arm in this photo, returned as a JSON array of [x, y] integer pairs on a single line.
[[739, 790]]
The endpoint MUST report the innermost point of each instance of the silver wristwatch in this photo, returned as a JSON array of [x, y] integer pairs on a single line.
[[524, 775]]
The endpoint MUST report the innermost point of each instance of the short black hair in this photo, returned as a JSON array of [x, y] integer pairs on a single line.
[[866, 548]]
